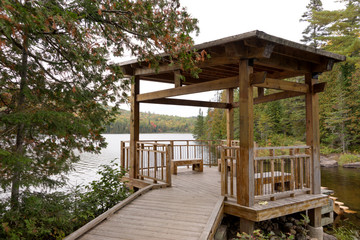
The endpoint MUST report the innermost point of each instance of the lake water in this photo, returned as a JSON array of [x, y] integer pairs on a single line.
[[345, 182]]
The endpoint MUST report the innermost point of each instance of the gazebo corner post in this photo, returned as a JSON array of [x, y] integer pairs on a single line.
[[134, 127], [313, 140], [245, 165]]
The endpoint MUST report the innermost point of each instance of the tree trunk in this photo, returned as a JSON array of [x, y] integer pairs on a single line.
[[15, 188]]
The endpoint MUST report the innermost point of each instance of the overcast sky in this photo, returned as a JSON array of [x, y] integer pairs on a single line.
[[219, 19]]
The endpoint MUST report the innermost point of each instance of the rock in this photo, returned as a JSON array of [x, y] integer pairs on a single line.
[[288, 226], [328, 237], [300, 237], [352, 165], [328, 162]]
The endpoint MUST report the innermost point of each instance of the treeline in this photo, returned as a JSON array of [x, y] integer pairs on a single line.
[[283, 122], [152, 123]]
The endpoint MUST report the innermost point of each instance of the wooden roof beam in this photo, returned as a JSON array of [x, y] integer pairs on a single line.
[[158, 70], [283, 85], [193, 103], [219, 84]]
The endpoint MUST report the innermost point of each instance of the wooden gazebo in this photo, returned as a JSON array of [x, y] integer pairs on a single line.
[[246, 61]]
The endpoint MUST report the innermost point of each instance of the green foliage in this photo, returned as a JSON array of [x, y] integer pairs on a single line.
[[102, 194], [55, 215], [151, 123], [348, 158], [260, 235], [347, 231], [59, 85], [313, 31], [199, 129]]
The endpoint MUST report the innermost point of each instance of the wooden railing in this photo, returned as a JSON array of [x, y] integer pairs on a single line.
[[277, 171], [229, 157], [154, 161], [208, 150], [281, 169]]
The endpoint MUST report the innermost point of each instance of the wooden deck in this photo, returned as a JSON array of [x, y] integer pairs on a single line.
[[187, 210], [191, 209]]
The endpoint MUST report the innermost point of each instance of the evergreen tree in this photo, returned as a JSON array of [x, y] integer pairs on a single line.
[[342, 30], [57, 79], [314, 30], [199, 129]]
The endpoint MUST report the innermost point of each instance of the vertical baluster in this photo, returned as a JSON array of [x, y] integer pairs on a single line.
[[122, 154], [141, 163], [187, 149], [155, 168], [162, 156], [292, 181], [282, 174], [231, 176], [209, 145], [272, 152], [261, 162], [168, 150], [301, 172], [223, 174]]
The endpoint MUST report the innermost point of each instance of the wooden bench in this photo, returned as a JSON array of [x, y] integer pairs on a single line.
[[267, 178], [197, 164]]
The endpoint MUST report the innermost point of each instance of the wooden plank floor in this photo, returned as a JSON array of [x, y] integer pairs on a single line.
[[179, 212]]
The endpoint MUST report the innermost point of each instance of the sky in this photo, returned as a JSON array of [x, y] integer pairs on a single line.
[[219, 19]]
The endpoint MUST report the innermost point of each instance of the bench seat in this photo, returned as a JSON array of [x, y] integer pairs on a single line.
[[197, 164]]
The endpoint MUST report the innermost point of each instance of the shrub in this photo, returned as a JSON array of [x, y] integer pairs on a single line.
[[348, 158], [55, 215]]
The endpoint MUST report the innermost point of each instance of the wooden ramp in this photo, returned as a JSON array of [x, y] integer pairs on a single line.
[[190, 209]]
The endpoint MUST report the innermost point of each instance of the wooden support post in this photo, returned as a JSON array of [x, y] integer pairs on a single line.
[[246, 226], [245, 165], [313, 140], [134, 128]]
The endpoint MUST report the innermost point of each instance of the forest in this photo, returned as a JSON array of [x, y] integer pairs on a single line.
[[283, 122], [151, 123]]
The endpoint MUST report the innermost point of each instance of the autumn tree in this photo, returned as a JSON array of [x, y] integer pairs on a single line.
[[58, 84]]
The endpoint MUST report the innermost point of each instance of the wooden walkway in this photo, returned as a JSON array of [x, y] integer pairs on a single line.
[[187, 210], [191, 209]]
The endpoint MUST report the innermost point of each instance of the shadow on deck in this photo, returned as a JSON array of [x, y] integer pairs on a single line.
[[190, 209]]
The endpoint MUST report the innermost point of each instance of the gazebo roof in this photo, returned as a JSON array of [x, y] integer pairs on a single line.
[[278, 57]]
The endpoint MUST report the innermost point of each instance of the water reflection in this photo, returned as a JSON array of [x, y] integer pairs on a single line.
[[346, 185]]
